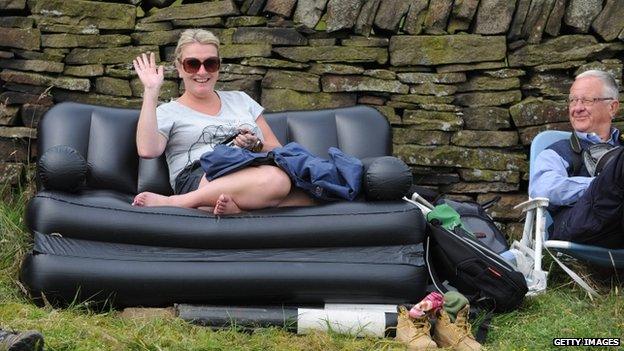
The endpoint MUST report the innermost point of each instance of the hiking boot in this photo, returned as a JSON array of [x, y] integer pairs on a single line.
[[455, 335], [26, 341], [415, 333]]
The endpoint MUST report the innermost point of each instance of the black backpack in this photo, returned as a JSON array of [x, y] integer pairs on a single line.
[[471, 263], [477, 221], [476, 271]]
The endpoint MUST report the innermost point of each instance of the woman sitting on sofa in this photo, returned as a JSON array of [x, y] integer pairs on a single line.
[[198, 120]]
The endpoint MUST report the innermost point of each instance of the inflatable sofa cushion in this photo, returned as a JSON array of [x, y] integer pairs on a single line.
[[104, 215], [130, 275]]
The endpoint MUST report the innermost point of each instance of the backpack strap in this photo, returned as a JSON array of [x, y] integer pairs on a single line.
[[483, 317], [577, 158], [491, 202]]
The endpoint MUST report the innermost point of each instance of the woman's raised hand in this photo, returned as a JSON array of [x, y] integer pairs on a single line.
[[151, 76]]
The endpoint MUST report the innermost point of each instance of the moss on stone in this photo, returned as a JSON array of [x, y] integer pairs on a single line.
[[156, 37], [84, 70], [489, 83], [334, 68], [486, 175], [272, 63], [339, 83], [112, 86], [534, 111], [109, 55], [45, 80], [33, 65], [480, 187], [244, 50], [74, 40], [445, 49], [96, 99], [299, 81], [486, 118], [102, 15], [426, 77], [198, 22], [285, 99], [412, 135], [476, 99], [245, 21], [432, 120], [475, 138], [454, 156], [199, 10], [334, 54], [28, 39], [433, 89], [389, 113], [422, 99]]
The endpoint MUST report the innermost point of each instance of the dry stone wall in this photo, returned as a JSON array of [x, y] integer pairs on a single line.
[[466, 84]]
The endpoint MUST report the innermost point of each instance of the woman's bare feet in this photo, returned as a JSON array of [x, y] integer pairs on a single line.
[[147, 199], [225, 205]]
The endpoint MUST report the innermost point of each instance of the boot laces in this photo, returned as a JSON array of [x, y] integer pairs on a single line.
[[465, 327], [422, 325]]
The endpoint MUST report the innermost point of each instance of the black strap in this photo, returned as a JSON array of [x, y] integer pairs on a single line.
[[577, 158], [491, 202], [481, 312], [484, 327]]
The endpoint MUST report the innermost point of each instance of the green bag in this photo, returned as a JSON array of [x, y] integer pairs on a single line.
[[448, 218]]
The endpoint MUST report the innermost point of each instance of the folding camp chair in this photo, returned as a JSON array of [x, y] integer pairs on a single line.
[[535, 235]]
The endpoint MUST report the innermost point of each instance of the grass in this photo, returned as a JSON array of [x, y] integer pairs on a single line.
[[564, 311]]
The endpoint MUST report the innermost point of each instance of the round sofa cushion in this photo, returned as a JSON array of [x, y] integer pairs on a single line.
[[62, 168], [386, 178]]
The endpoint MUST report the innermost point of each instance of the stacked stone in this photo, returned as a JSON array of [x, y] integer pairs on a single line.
[[466, 85]]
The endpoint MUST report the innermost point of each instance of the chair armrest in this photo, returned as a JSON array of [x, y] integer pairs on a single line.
[[534, 227], [532, 204]]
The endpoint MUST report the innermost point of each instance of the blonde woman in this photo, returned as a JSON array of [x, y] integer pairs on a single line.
[[198, 120]]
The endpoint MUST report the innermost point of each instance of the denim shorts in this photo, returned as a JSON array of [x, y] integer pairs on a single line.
[[188, 180]]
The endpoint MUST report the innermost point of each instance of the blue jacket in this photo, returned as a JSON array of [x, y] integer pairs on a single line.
[[340, 177]]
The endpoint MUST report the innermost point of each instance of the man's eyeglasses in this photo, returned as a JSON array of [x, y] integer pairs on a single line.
[[586, 101], [191, 65]]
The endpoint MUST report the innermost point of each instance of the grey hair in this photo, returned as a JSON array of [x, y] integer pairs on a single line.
[[200, 36], [610, 85]]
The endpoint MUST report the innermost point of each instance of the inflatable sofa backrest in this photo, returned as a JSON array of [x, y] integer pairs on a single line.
[[105, 137]]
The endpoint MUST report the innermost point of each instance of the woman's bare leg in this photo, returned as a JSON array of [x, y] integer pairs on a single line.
[[226, 205], [250, 188], [297, 197]]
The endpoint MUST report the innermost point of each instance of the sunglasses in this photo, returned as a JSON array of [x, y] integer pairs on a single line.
[[191, 65]]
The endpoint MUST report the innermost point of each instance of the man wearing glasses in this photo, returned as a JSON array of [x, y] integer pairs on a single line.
[[584, 177]]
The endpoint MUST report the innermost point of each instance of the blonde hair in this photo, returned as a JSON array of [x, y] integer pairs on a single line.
[[191, 36]]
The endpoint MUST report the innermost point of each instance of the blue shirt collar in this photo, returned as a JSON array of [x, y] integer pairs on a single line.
[[595, 139]]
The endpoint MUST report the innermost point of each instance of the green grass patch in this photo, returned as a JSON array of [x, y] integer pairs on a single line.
[[564, 311]]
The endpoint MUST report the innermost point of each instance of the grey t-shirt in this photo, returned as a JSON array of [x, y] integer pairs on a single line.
[[190, 133]]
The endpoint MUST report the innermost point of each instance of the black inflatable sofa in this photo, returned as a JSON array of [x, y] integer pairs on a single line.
[[91, 244]]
